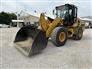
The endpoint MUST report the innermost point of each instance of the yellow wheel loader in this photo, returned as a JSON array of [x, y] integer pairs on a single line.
[[31, 39]]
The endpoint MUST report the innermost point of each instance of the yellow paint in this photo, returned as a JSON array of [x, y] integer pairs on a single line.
[[43, 23], [52, 26], [62, 37]]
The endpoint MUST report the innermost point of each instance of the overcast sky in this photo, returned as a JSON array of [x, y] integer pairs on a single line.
[[84, 6]]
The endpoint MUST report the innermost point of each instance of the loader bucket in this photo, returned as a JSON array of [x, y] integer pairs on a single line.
[[30, 40]]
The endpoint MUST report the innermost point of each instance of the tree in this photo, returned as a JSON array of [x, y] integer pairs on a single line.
[[12, 16], [6, 18]]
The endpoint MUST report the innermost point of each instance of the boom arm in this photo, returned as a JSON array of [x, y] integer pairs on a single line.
[[47, 26]]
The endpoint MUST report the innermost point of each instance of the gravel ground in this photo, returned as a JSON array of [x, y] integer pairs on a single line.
[[73, 55]]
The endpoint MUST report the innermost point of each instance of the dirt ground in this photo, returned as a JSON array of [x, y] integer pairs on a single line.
[[73, 55]]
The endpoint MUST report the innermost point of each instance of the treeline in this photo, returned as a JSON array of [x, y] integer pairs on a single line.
[[6, 18]]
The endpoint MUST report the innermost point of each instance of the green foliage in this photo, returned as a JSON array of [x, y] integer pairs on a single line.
[[5, 18]]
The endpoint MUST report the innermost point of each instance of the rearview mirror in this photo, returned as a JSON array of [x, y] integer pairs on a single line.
[[53, 12]]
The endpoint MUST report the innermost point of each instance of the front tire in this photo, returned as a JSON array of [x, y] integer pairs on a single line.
[[79, 34], [59, 36]]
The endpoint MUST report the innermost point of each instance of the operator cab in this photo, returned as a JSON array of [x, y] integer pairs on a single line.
[[68, 13]]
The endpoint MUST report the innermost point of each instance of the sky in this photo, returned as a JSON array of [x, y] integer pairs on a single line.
[[84, 6]]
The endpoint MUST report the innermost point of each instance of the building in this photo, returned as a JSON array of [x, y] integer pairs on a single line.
[[87, 21], [17, 23], [26, 18]]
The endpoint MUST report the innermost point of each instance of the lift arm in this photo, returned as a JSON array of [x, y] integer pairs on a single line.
[[47, 26]]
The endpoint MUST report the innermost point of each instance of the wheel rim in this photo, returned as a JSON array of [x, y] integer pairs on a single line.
[[62, 37]]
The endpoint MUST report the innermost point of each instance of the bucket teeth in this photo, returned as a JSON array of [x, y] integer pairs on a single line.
[[30, 40]]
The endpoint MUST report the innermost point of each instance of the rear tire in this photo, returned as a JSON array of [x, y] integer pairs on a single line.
[[59, 36], [79, 34]]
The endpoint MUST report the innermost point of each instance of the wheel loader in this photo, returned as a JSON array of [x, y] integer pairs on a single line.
[[32, 39]]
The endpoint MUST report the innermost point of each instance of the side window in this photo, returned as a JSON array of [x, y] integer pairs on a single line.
[[58, 13], [70, 12], [75, 12]]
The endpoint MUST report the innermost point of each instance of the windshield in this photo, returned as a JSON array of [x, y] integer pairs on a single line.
[[62, 12]]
